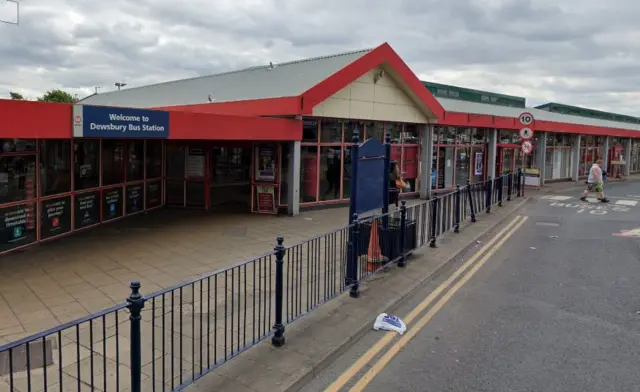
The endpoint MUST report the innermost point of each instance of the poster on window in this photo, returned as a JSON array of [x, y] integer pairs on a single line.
[[266, 199], [478, 164], [17, 227], [55, 217], [265, 163], [195, 163], [154, 193], [111, 204], [135, 198], [86, 210]]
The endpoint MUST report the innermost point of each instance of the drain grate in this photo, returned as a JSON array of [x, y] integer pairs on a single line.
[[39, 357]]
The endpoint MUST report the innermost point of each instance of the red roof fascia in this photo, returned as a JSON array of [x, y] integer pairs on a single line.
[[35, 120], [487, 121], [207, 126], [382, 54], [284, 106]]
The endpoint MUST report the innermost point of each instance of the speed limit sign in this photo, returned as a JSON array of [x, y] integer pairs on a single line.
[[526, 147], [526, 119]]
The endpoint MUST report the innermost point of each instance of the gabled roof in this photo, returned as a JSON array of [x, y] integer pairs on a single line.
[[288, 79], [292, 88]]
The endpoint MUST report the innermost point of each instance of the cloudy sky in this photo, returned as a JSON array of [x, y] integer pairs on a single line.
[[580, 52]]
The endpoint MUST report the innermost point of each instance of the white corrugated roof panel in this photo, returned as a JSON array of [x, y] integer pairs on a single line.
[[454, 105], [282, 80]]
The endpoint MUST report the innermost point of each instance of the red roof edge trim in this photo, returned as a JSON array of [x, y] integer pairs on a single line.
[[380, 55]]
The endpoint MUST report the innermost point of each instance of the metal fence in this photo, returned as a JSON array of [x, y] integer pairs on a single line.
[[167, 340]]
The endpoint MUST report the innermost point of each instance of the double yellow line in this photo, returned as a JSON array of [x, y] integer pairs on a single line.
[[473, 265]]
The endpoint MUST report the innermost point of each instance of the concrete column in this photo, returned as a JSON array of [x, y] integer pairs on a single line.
[[492, 152], [605, 153], [627, 157], [541, 154], [426, 160], [575, 156], [293, 179]]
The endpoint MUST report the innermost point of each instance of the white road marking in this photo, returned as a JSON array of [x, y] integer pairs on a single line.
[[630, 203], [593, 199], [561, 198]]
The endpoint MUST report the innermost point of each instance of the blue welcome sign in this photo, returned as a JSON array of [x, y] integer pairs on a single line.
[[113, 122]]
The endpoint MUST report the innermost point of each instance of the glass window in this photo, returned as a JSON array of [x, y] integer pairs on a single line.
[[445, 167], [55, 167], [233, 165], [310, 130], [284, 167], [17, 178], [437, 134], [331, 131], [112, 162], [86, 155], [135, 159], [478, 136], [175, 161], [395, 130], [464, 135], [463, 166], [330, 171], [448, 135], [154, 158], [309, 174], [18, 145], [375, 130], [349, 126], [505, 136], [410, 134]]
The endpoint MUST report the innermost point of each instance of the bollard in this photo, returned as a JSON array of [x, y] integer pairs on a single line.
[[500, 186], [278, 339], [135, 305], [354, 292], [434, 221], [403, 234], [509, 186], [519, 182], [471, 206], [456, 228], [489, 194]]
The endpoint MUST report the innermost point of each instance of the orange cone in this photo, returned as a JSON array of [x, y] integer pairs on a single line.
[[374, 254]]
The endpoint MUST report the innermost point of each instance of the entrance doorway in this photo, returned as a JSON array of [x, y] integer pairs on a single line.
[[507, 159], [230, 187], [186, 176]]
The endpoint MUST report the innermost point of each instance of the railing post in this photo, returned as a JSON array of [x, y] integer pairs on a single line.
[[509, 186], [403, 233], [434, 220], [521, 175], [278, 339], [456, 228], [471, 206], [354, 292], [519, 182], [135, 305], [489, 194], [500, 189]]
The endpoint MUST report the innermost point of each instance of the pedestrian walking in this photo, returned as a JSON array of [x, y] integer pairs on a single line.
[[595, 182]]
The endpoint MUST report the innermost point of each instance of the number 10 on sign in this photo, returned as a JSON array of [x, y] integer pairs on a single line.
[[526, 147]]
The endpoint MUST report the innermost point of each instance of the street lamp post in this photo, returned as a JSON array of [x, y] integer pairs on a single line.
[[120, 85]]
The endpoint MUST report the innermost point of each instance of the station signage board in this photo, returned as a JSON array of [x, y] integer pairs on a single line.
[[112, 122]]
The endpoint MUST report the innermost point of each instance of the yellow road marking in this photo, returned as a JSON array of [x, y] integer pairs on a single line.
[[395, 349], [388, 337]]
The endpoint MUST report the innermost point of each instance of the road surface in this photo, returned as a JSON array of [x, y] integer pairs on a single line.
[[556, 307]]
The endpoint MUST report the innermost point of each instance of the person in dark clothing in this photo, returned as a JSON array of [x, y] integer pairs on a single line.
[[333, 177], [394, 178]]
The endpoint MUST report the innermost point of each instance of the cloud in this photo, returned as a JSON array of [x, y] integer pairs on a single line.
[[582, 52]]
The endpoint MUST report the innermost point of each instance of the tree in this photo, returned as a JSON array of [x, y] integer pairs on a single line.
[[57, 95], [16, 96]]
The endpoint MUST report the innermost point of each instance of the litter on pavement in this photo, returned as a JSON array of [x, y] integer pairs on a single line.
[[387, 322]]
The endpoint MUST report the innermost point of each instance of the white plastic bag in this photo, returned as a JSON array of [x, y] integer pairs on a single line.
[[389, 323]]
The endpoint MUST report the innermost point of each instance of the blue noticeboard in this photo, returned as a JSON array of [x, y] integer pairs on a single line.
[[370, 177], [113, 122]]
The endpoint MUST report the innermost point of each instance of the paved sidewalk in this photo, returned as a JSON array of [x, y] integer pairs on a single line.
[[84, 273]]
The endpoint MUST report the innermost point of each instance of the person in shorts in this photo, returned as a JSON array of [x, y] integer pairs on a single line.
[[595, 183]]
